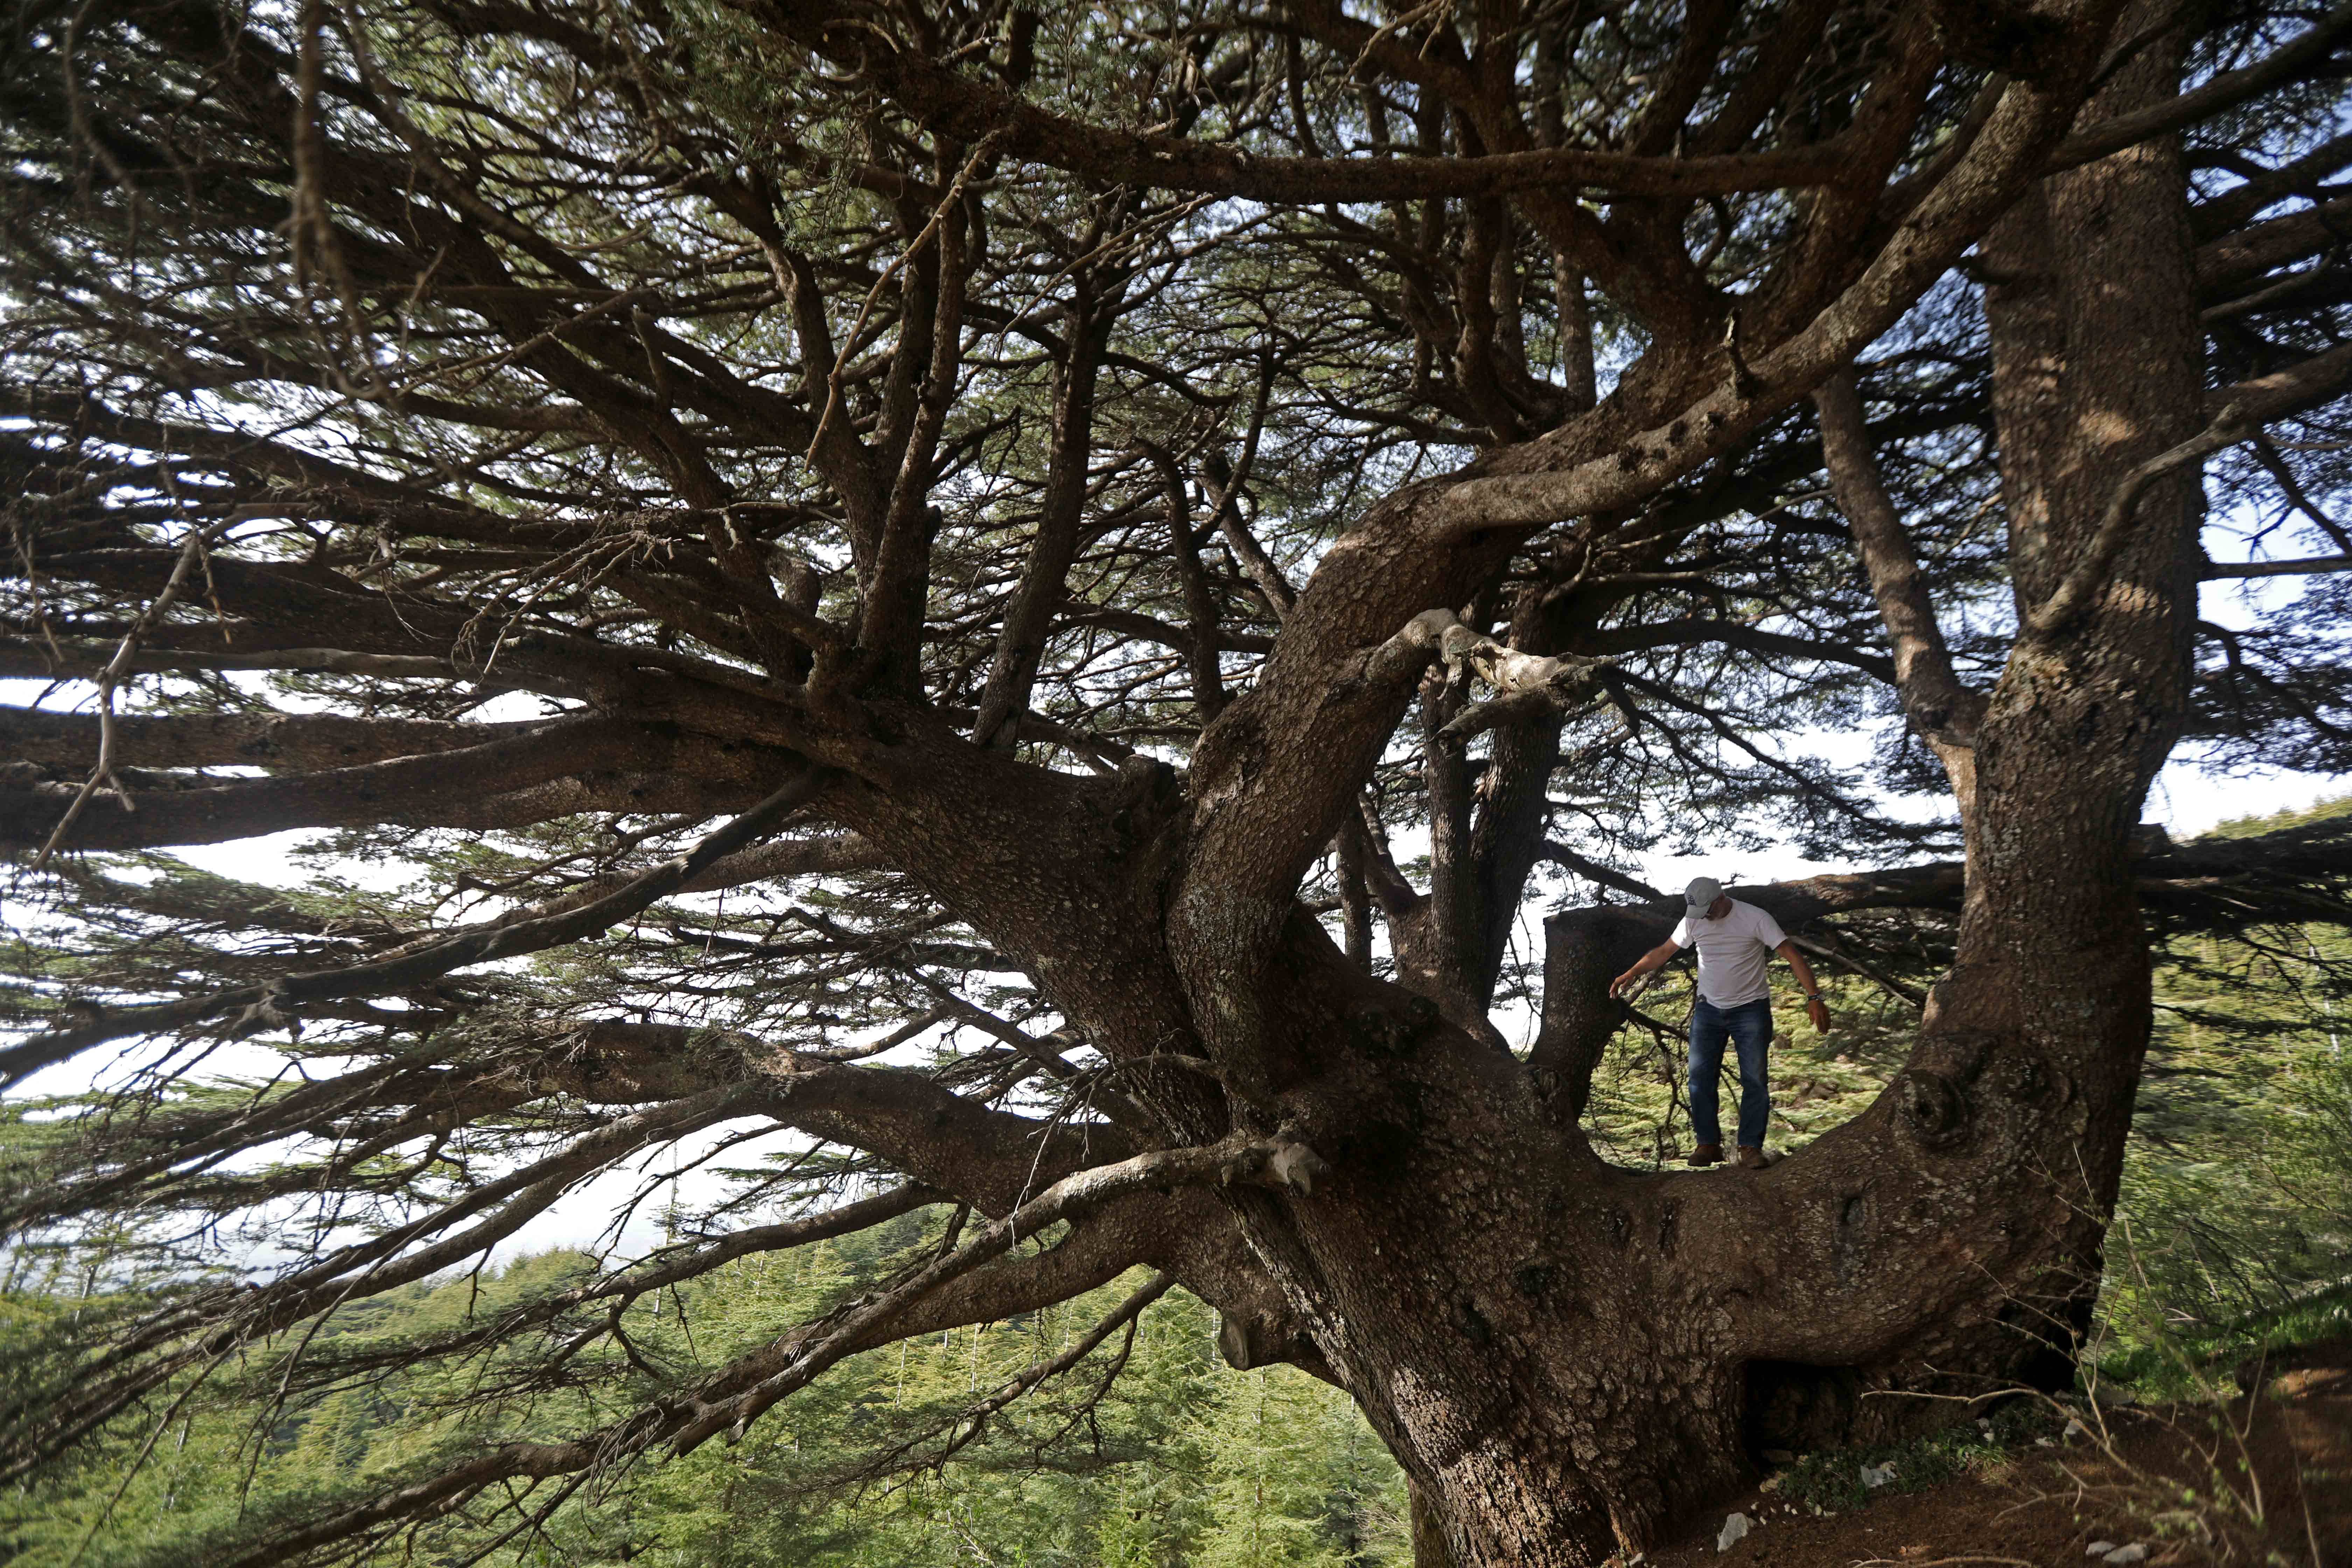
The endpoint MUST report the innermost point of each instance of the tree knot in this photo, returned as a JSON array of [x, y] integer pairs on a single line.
[[1934, 1107]]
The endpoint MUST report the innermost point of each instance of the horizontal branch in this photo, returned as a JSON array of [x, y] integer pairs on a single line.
[[2307, 50], [1593, 871], [2235, 259], [2165, 873], [970, 110], [2308, 565], [272, 741], [1696, 631], [258, 1005], [832, 855], [211, 812], [1135, 624], [58, 658]]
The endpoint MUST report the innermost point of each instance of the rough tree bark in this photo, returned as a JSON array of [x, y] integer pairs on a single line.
[[1566, 1356], [1948, 1240]]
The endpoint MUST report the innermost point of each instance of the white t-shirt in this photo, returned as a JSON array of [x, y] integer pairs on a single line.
[[1732, 952]]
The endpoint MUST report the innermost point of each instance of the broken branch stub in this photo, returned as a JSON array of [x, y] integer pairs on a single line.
[[1527, 688]]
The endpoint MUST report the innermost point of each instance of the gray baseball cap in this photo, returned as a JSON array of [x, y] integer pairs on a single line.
[[1702, 893]]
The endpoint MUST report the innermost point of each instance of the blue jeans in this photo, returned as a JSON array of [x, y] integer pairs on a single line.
[[1749, 1027]]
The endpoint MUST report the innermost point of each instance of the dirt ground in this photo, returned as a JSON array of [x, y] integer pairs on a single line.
[[2287, 1462]]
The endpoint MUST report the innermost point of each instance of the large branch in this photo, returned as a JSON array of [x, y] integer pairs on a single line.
[[989, 1158], [269, 615], [261, 1003], [1943, 708], [277, 742], [403, 788], [968, 111], [1273, 773], [2228, 263]]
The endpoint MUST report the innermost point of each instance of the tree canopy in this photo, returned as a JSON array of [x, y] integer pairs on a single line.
[[882, 572]]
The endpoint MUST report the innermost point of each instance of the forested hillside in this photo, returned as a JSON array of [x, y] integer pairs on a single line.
[[1140, 1448], [1148, 1451]]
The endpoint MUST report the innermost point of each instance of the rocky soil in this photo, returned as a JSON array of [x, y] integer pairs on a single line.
[[2252, 1481]]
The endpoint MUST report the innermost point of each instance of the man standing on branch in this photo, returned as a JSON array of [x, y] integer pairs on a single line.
[[1734, 1002]]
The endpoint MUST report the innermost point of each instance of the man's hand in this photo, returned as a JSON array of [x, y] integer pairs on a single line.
[[1810, 988], [1656, 958]]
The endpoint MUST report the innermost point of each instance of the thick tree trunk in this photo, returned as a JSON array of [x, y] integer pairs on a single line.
[[1567, 1357], [1430, 1547], [2096, 366], [1472, 1275]]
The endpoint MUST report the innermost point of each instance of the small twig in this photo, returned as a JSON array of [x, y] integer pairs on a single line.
[[954, 194], [2073, 595], [109, 680]]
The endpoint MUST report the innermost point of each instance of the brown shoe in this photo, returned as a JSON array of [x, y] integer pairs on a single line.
[[1751, 1157], [1705, 1155]]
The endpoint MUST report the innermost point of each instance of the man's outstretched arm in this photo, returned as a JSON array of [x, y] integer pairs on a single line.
[[1814, 1010], [1656, 958]]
